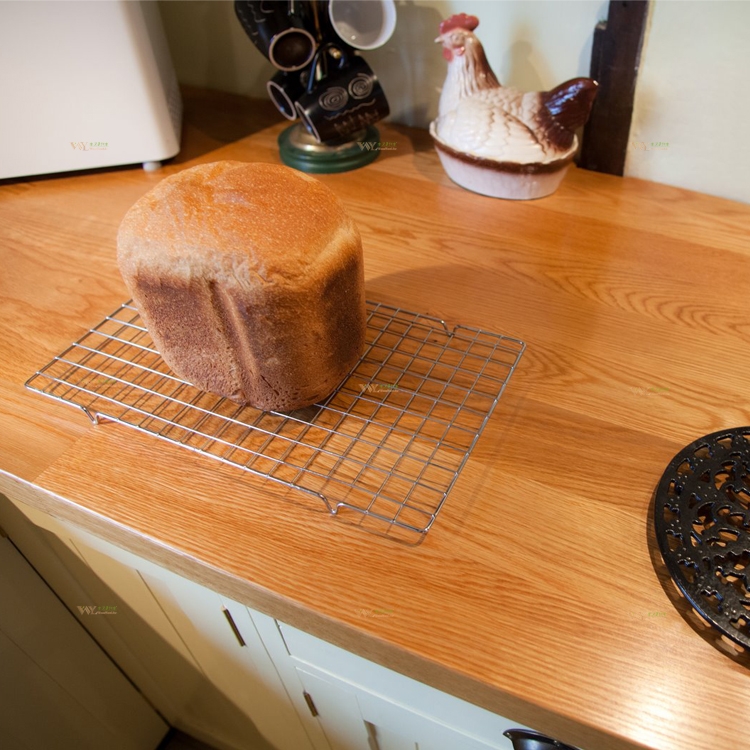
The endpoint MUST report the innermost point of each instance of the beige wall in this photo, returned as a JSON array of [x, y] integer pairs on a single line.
[[692, 90], [693, 93], [210, 48], [532, 45]]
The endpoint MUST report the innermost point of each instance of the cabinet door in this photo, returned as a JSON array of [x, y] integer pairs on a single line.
[[138, 636], [355, 719], [57, 687], [222, 638], [239, 700], [337, 712], [392, 702], [205, 706], [175, 641]]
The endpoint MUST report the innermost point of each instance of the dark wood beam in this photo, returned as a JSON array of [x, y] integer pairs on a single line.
[[615, 57]]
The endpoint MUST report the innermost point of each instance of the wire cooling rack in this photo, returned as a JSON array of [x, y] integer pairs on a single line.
[[382, 451]]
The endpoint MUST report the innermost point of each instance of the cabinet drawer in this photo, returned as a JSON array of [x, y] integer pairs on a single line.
[[485, 726], [355, 719]]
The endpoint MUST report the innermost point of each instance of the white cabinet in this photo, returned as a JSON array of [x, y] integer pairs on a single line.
[[356, 719], [235, 698], [363, 705], [244, 681], [171, 637], [222, 638], [337, 711], [58, 689]]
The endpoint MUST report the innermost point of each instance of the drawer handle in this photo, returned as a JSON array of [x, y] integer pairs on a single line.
[[372, 736], [235, 629], [310, 704]]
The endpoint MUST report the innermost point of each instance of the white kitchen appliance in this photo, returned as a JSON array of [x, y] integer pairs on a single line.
[[85, 85]]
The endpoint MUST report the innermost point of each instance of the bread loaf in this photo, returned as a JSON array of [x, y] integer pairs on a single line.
[[250, 280]]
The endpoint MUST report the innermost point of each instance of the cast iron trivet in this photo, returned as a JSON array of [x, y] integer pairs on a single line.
[[702, 521]]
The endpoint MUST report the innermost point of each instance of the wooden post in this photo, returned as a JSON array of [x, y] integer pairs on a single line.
[[615, 57]]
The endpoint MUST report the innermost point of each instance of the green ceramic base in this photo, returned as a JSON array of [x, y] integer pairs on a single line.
[[300, 150]]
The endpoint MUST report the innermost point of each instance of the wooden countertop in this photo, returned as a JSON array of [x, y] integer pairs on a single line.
[[534, 594]]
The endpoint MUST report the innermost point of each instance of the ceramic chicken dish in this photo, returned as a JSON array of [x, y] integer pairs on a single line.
[[494, 139]]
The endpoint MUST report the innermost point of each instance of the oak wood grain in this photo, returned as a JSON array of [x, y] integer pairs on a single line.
[[534, 593]]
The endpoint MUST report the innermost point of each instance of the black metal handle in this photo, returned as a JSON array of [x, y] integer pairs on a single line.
[[526, 739], [321, 59]]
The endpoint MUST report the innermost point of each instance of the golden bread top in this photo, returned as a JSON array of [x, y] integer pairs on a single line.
[[239, 219]]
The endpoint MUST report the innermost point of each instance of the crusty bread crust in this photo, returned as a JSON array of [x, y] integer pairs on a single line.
[[250, 280]]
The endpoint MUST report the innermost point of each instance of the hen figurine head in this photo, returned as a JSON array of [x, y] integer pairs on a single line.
[[456, 33]]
